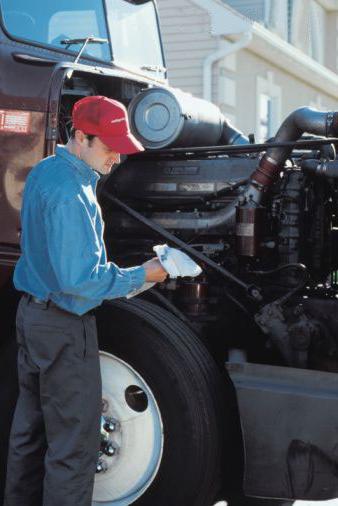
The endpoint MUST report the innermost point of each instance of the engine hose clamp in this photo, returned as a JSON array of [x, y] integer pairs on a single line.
[[329, 123], [321, 167]]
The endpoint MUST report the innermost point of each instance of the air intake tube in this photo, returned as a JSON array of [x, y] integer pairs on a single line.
[[232, 136], [248, 207], [298, 122]]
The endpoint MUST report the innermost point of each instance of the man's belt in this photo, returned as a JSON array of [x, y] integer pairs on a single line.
[[47, 303]]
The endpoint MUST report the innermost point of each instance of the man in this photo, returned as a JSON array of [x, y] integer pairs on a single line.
[[64, 274]]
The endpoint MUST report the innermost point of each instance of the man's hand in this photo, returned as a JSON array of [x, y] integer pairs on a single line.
[[154, 271]]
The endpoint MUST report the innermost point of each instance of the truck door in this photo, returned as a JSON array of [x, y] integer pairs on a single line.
[[31, 47], [24, 90]]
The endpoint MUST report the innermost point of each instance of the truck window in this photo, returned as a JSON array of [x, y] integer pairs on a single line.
[[49, 22], [134, 33], [132, 28]]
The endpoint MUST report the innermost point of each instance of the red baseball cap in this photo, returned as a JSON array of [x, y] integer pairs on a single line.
[[108, 120]]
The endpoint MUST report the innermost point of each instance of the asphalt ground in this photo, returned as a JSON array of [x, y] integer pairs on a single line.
[[333, 502]]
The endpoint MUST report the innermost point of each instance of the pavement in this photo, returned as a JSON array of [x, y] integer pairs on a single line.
[[333, 502]]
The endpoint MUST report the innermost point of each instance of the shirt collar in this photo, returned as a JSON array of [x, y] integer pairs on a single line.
[[85, 171]]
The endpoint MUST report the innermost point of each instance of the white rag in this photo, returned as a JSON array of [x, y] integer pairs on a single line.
[[175, 262]]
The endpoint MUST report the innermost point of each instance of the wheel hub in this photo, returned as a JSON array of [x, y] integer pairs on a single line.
[[131, 435]]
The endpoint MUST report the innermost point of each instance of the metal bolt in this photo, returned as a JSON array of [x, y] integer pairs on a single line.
[[109, 425], [101, 466], [110, 450]]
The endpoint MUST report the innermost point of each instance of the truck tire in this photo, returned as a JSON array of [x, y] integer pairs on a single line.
[[177, 381]]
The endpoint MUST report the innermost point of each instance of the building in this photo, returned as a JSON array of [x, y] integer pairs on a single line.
[[257, 59]]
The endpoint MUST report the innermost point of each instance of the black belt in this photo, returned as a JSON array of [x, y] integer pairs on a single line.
[[40, 301], [45, 303], [48, 303]]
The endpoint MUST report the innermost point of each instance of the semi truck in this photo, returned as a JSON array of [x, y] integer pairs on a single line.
[[218, 387]]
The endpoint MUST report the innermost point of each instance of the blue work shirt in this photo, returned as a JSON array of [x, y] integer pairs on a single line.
[[63, 253]]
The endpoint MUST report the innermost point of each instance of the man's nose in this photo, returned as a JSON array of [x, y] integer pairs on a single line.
[[116, 158]]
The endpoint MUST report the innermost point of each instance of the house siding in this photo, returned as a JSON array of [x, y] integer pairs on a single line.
[[187, 42]]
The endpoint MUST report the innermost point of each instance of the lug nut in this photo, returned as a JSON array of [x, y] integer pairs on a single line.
[[109, 425], [101, 466], [109, 449]]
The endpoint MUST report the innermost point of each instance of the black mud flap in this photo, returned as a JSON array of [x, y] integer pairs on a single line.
[[290, 428]]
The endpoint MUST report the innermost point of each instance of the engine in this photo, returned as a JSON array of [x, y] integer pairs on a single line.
[[261, 220], [189, 196]]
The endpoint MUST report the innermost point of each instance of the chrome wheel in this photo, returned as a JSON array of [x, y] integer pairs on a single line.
[[131, 435]]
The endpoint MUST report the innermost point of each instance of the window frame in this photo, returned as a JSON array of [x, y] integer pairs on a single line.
[[266, 86]]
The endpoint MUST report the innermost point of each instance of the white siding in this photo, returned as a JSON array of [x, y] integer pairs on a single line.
[[187, 42]]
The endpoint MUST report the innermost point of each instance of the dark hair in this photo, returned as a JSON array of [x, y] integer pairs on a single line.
[[90, 137]]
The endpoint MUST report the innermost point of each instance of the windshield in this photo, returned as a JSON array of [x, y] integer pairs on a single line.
[[135, 35], [132, 29], [50, 22]]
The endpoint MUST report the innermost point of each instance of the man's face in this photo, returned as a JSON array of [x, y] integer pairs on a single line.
[[96, 154]]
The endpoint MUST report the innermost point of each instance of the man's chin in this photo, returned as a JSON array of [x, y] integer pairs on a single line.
[[104, 170]]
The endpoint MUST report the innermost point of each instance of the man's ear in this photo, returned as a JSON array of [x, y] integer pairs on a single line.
[[80, 136]]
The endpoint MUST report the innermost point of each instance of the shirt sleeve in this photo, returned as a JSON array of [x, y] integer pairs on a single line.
[[76, 255]]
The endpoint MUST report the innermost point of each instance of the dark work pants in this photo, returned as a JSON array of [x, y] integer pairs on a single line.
[[55, 433]]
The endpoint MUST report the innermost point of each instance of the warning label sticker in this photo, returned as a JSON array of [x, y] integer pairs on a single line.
[[15, 121]]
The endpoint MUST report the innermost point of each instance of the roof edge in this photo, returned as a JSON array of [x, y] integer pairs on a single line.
[[329, 5], [226, 22], [292, 60]]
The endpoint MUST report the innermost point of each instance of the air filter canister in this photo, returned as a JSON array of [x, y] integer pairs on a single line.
[[164, 117]]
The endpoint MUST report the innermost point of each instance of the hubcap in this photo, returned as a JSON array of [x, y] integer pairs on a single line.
[[131, 435]]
